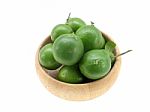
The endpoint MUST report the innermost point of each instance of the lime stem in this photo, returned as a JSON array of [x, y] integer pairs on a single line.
[[68, 16], [92, 23], [123, 53]]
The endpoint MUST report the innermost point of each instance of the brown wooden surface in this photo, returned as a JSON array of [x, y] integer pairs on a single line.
[[77, 91]]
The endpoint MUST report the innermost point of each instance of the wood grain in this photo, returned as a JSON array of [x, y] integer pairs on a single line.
[[76, 92]]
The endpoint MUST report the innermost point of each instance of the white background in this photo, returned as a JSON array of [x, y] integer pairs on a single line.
[[24, 24]]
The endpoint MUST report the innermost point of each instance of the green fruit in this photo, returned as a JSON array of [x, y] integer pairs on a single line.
[[91, 37], [68, 49], [75, 23], [46, 58], [59, 30], [110, 47], [95, 64], [70, 74]]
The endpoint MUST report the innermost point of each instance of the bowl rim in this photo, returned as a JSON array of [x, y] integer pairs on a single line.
[[38, 66]]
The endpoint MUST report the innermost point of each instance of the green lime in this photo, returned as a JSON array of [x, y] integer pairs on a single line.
[[75, 23], [91, 37], [95, 64], [68, 49], [46, 58], [70, 74], [59, 30]]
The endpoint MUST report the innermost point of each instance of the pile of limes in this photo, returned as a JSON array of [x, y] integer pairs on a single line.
[[80, 50]]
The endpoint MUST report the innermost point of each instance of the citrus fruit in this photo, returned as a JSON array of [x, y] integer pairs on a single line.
[[68, 49], [46, 58], [91, 37], [95, 64], [70, 74], [75, 23], [59, 30]]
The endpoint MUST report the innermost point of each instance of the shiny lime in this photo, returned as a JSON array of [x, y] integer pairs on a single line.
[[68, 49], [70, 74], [91, 37], [59, 30], [46, 58], [75, 23], [95, 64]]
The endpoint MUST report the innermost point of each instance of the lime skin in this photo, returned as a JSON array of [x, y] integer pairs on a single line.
[[95, 64], [46, 58], [91, 37], [59, 30], [68, 49], [75, 23], [70, 74]]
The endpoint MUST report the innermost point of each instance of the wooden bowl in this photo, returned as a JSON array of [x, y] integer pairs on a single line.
[[84, 91]]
